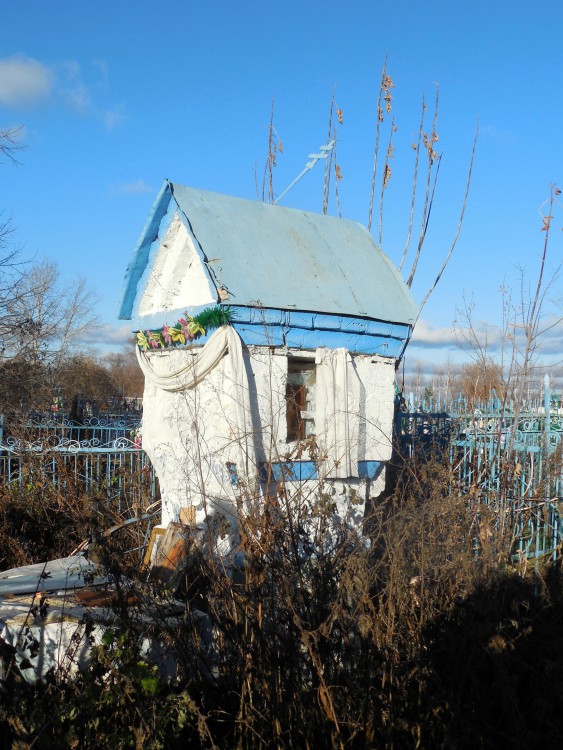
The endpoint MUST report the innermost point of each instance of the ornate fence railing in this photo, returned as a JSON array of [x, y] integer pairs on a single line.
[[104, 428], [99, 455], [508, 463]]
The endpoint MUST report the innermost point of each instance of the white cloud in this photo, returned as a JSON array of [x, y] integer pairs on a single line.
[[102, 68], [24, 81], [72, 88], [108, 335], [414, 365], [132, 188], [462, 343], [113, 117], [78, 98], [551, 343], [428, 335]]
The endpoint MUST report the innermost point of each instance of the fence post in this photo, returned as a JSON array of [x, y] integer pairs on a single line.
[[547, 407], [546, 448]]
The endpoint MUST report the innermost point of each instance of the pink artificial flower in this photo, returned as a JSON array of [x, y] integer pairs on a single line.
[[167, 335]]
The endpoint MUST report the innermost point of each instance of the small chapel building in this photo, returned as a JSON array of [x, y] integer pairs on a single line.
[[287, 377]]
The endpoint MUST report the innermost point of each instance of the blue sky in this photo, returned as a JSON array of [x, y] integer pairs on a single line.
[[115, 97]]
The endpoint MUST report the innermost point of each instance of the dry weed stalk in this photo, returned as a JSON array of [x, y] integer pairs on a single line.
[[429, 141], [384, 95], [458, 230], [275, 147], [314, 638], [386, 177]]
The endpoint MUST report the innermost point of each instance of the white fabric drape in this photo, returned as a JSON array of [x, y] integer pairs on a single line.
[[337, 418], [237, 395], [240, 409], [199, 365]]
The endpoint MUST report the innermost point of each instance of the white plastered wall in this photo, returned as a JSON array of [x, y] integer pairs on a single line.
[[176, 273], [190, 436]]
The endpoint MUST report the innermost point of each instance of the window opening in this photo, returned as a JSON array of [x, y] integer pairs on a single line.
[[300, 398]]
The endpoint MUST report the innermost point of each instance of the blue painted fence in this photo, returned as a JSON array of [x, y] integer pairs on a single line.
[[508, 463], [101, 455]]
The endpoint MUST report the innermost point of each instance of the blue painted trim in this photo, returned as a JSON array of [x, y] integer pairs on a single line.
[[290, 471], [311, 340], [314, 321], [303, 330], [369, 469], [140, 258], [301, 471]]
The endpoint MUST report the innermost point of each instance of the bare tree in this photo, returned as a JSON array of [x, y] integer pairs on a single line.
[[10, 142], [42, 322], [9, 271], [525, 322], [47, 318], [80, 378], [126, 373], [479, 381]]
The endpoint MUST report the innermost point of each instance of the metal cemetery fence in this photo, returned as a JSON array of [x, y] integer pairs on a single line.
[[100, 455], [507, 461]]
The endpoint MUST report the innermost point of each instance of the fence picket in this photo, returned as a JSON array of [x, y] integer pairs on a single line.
[[103, 454], [518, 478]]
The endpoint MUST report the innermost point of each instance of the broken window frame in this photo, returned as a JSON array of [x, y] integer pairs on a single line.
[[300, 394]]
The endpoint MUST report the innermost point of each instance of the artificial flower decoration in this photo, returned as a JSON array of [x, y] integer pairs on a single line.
[[185, 331]]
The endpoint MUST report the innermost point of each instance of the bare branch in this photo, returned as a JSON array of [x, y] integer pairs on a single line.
[[376, 148], [337, 176], [10, 143], [531, 314], [274, 146], [385, 179]]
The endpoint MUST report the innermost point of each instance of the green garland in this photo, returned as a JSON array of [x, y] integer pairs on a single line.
[[186, 330]]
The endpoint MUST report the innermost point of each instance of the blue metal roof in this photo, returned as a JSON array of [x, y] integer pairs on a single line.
[[275, 257]]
